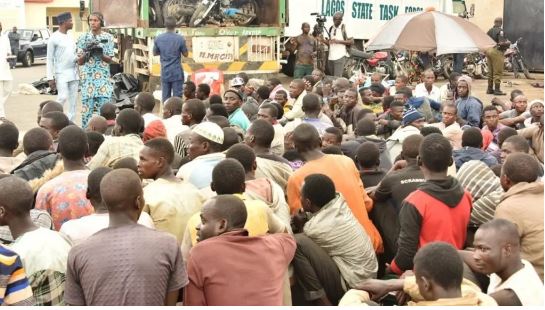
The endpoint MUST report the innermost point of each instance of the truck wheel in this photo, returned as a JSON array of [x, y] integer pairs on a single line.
[[289, 68], [28, 59]]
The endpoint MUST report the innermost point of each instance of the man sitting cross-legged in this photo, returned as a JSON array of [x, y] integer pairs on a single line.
[[333, 251]]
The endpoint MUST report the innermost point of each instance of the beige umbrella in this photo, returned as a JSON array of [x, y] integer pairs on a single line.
[[431, 32]]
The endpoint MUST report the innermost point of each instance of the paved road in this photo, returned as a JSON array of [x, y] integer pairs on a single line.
[[22, 109]]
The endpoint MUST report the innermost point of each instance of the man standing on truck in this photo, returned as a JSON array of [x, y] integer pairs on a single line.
[[5, 72], [14, 38], [95, 51], [62, 72], [305, 49], [339, 43], [169, 46], [494, 57]]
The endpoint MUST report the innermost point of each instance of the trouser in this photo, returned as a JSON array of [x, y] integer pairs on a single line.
[[301, 70], [315, 272], [5, 91], [458, 64], [68, 96], [172, 89], [495, 58], [336, 67], [91, 106], [13, 61]]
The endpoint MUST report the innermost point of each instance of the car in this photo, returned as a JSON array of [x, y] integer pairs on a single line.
[[32, 45]]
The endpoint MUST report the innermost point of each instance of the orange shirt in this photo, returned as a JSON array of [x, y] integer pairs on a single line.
[[345, 176]]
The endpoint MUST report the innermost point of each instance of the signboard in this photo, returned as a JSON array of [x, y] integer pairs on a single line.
[[214, 49], [363, 18]]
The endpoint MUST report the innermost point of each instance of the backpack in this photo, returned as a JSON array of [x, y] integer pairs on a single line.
[[345, 37]]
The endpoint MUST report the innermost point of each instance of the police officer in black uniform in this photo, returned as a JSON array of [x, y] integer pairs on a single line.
[[495, 58]]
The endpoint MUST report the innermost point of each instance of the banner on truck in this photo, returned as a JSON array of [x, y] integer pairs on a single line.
[[363, 18]]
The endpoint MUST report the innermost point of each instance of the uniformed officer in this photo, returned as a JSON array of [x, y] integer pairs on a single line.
[[494, 57]]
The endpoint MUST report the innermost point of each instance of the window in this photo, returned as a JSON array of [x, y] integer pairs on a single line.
[[45, 34]]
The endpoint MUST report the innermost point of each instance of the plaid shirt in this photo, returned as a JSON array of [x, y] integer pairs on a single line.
[[116, 148], [48, 288]]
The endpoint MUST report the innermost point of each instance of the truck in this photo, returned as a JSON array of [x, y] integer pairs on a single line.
[[254, 49], [257, 48]]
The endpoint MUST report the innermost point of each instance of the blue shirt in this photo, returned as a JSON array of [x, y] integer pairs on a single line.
[[170, 46], [470, 109], [238, 118]]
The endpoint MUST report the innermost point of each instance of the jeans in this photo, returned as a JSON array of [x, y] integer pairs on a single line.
[[316, 273], [172, 89], [68, 96], [458, 64], [302, 70], [336, 67]]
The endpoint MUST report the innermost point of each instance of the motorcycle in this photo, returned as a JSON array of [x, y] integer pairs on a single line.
[[364, 62], [241, 12], [475, 65], [514, 61]]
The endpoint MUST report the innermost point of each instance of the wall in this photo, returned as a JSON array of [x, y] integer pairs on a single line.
[[531, 30], [37, 14], [11, 13], [485, 12]]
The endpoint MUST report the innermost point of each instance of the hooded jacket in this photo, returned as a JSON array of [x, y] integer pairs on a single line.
[[350, 149], [35, 165], [272, 194], [522, 204], [468, 153], [438, 210]]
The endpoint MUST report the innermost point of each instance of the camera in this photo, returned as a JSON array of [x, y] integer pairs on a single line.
[[93, 49], [320, 24], [320, 19]]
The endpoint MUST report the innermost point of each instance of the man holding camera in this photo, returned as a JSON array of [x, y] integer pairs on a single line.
[[95, 52], [62, 72], [339, 43]]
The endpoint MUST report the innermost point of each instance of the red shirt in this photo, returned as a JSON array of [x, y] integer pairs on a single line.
[[234, 269]]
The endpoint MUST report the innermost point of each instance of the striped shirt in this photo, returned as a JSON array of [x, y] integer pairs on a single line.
[[485, 189], [14, 286]]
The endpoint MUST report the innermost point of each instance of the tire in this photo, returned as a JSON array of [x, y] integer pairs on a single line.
[[255, 8], [289, 68], [523, 68], [159, 18], [28, 59], [198, 16], [448, 67]]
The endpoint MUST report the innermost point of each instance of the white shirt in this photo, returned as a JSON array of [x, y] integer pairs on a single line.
[[421, 91], [61, 58], [336, 50], [5, 50], [78, 230], [525, 283], [148, 118], [174, 126]]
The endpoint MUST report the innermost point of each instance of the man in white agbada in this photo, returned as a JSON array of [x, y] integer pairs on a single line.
[[61, 65], [5, 72]]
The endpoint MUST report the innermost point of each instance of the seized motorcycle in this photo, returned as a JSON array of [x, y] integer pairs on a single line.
[[475, 65], [514, 61], [240, 12], [367, 63]]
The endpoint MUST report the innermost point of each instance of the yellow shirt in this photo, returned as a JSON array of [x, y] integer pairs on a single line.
[[256, 223], [171, 204]]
